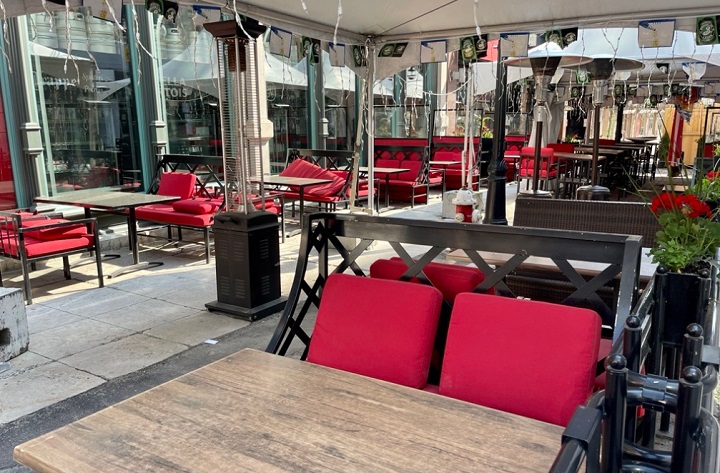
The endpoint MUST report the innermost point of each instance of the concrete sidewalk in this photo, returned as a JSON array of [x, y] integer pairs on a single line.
[[91, 347]]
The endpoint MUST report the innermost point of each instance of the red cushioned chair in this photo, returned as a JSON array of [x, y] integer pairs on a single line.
[[32, 238], [530, 358], [548, 170], [377, 328]]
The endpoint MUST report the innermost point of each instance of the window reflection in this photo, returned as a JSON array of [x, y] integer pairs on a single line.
[[84, 101]]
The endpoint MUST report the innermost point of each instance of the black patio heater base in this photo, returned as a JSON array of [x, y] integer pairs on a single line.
[[592, 193], [535, 194], [247, 265], [255, 313]]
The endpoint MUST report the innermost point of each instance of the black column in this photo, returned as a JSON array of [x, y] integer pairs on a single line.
[[495, 205]]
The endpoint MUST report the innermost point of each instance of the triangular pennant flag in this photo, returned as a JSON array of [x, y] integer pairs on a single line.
[[280, 42], [337, 54], [514, 44], [102, 8], [433, 51], [656, 33]]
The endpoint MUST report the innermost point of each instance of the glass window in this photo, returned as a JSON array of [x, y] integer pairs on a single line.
[[400, 109], [190, 84], [85, 103]]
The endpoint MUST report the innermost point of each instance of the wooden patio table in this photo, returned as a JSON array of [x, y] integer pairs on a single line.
[[256, 412]]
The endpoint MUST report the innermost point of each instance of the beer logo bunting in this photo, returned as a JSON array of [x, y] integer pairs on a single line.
[[311, 49], [473, 48], [392, 50], [562, 37], [656, 33], [359, 56], [706, 30]]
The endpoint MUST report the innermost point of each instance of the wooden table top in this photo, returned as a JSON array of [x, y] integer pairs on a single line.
[[106, 200], [257, 412], [444, 163], [603, 150], [291, 181], [384, 170], [577, 156]]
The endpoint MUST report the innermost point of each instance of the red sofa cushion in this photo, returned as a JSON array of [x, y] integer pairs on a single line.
[[530, 358], [562, 147], [449, 279], [177, 184], [35, 248], [377, 328], [302, 168], [194, 206], [164, 213]]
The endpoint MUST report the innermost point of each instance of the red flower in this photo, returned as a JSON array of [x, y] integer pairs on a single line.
[[713, 175], [665, 201], [692, 206]]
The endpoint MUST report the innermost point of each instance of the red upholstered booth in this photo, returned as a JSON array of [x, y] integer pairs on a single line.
[[414, 184], [530, 358], [378, 328]]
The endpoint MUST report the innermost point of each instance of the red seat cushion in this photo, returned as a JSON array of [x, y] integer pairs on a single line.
[[35, 248], [164, 213], [302, 168], [530, 358], [50, 234], [377, 328], [449, 279], [177, 184], [195, 206]]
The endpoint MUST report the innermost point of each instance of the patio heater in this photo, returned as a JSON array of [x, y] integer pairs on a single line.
[[544, 63], [247, 247], [599, 71]]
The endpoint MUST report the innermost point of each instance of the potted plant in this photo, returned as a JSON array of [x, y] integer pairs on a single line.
[[684, 248]]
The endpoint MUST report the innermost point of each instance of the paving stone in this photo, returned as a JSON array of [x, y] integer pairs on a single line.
[[138, 351], [96, 301], [41, 318], [41, 387], [197, 328], [145, 315], [75, 337]]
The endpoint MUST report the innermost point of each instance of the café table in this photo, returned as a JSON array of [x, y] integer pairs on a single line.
[[388, 172], [581, 166], [301, 183], [255, 411], [113, 201]]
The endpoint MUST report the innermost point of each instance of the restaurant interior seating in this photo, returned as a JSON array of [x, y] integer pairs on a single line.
[[322, 164], [527, 357], [412, 185], [376, 327], [30, 238]]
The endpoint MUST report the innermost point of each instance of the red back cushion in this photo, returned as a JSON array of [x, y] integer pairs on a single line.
[[530, 358], [377, 328], [413, 170], [562, 147], [178, 184], [449, 279], [447, 156], [306, 169]]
